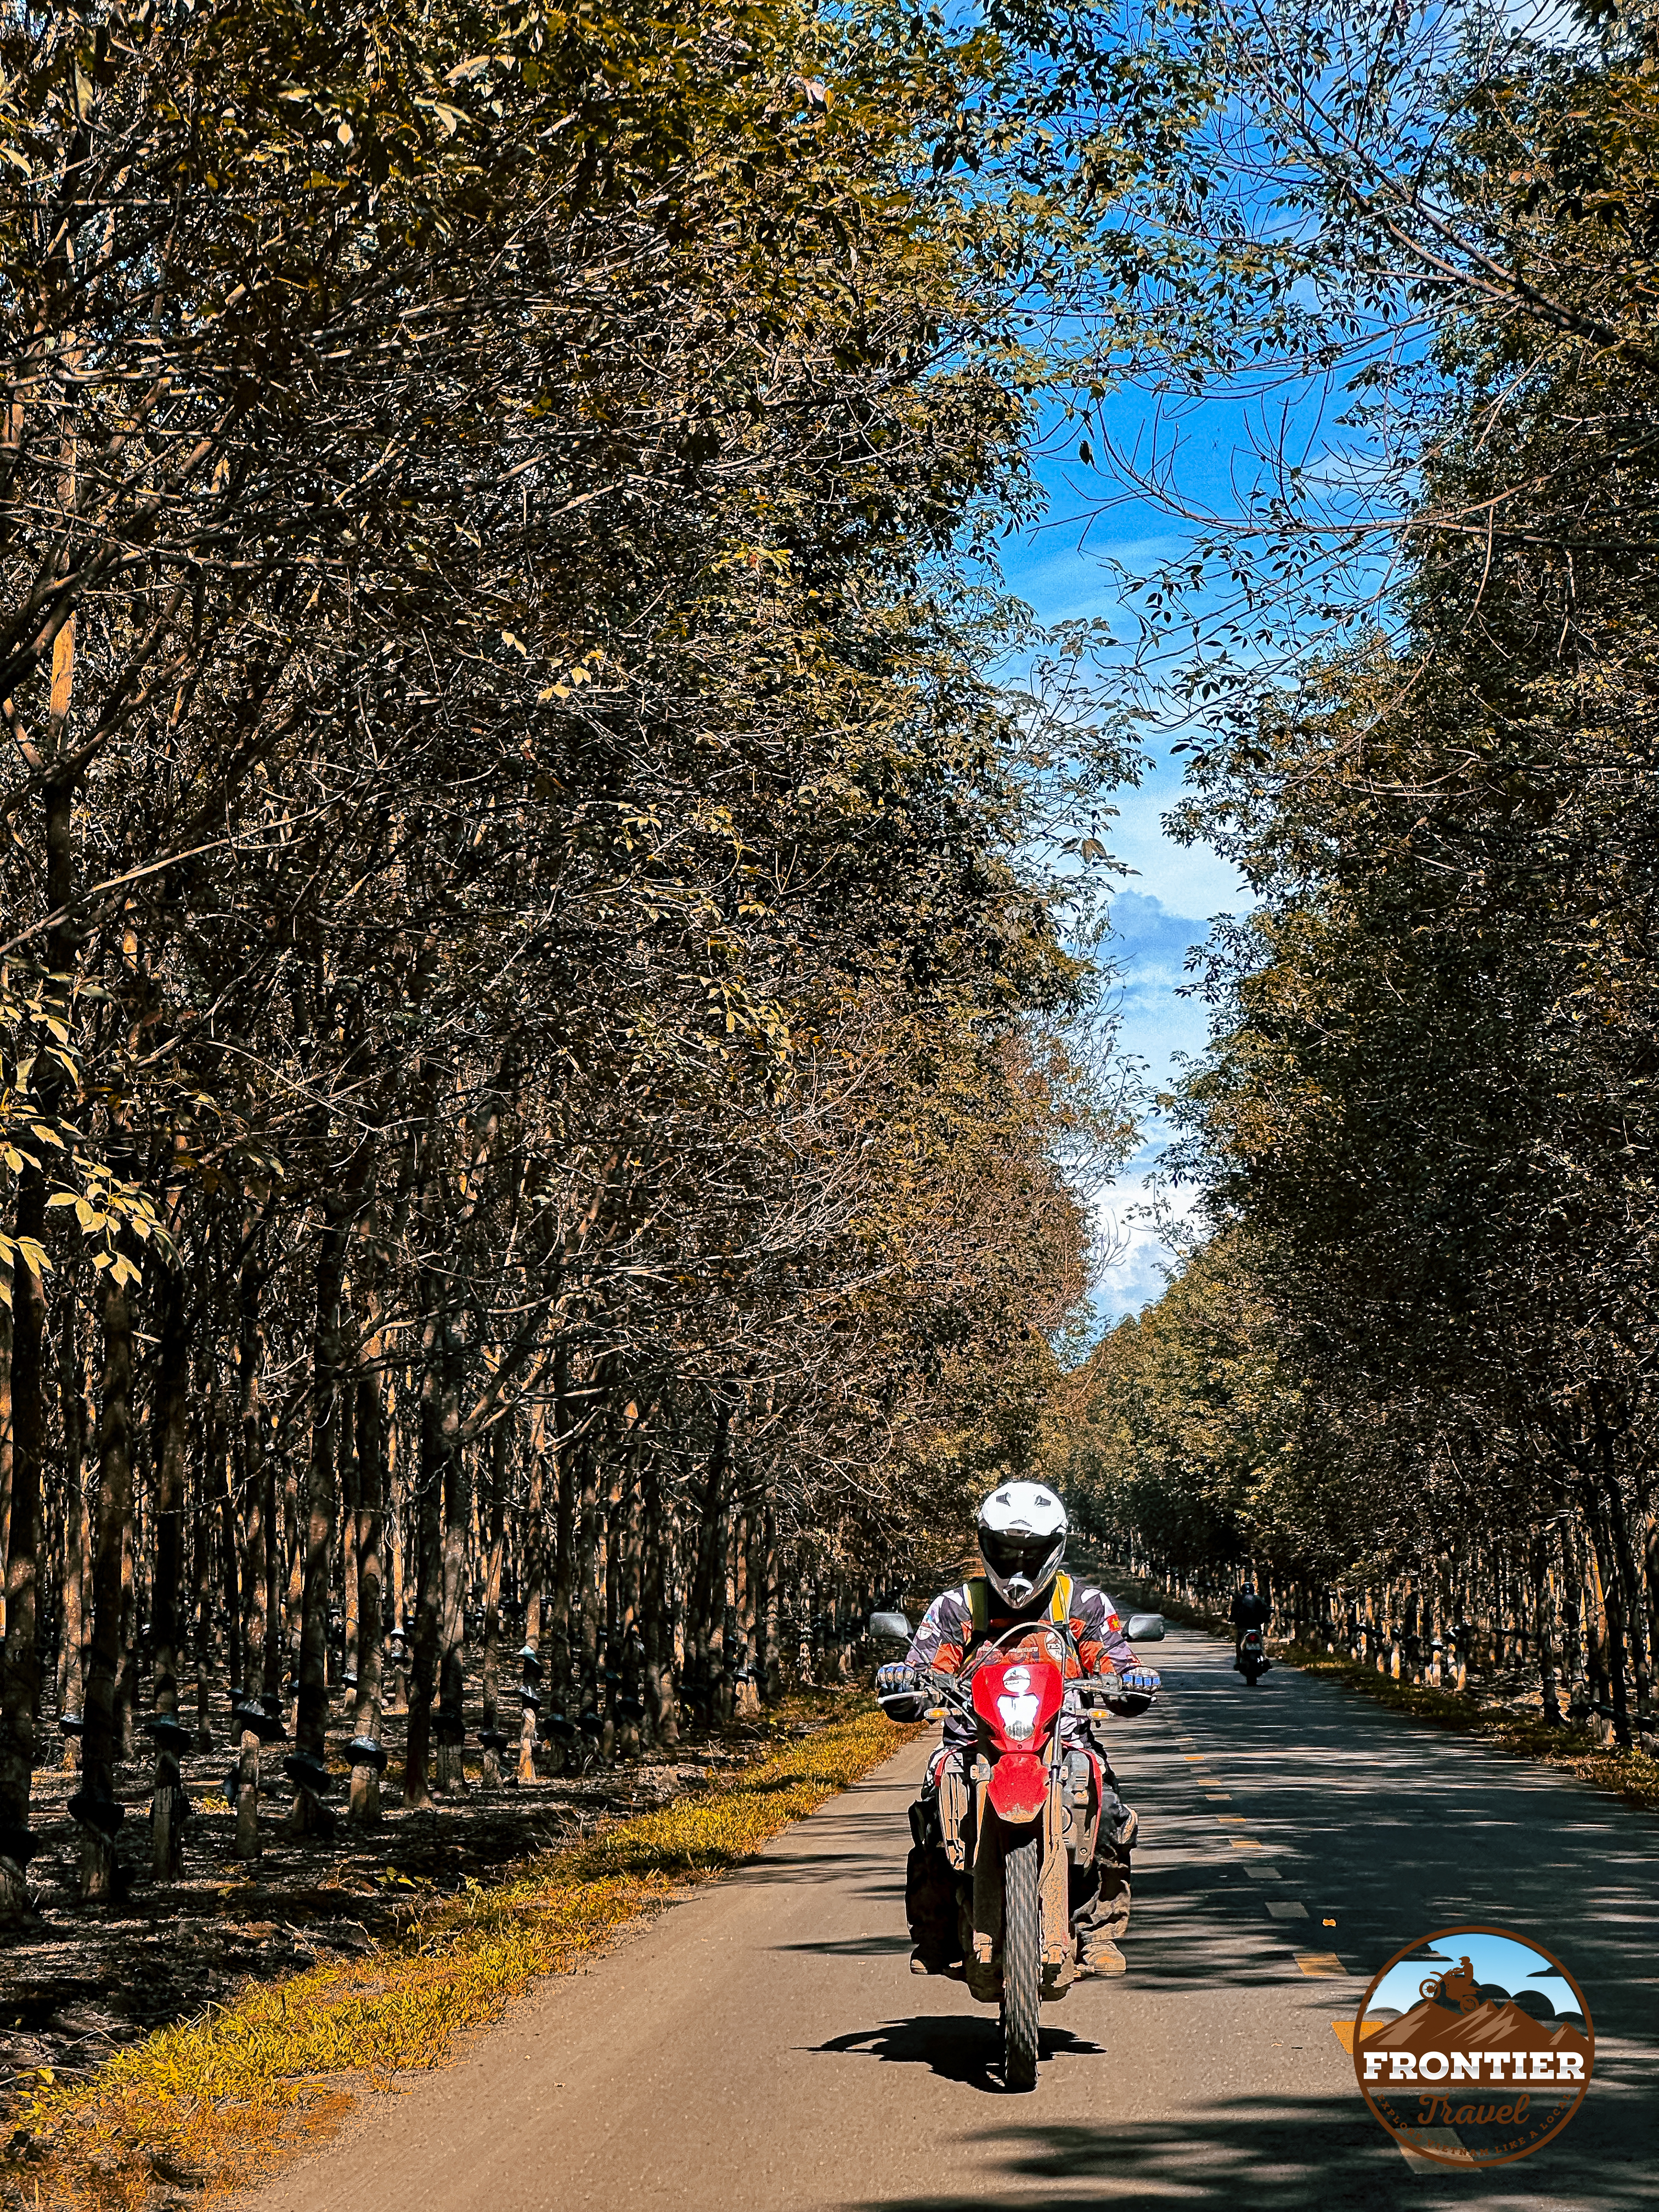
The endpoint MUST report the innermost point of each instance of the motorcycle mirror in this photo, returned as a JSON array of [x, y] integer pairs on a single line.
[[1145, 1628], [891, 1624]]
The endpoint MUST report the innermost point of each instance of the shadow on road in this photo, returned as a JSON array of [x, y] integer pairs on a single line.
[[856, 1946], [1287, 2154], [965, 2048], [1381, 1830]]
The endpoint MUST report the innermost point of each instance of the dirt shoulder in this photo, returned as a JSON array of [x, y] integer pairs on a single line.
[[182, 2039]]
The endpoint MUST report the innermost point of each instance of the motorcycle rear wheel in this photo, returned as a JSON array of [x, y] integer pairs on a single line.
[[1022, 1962]]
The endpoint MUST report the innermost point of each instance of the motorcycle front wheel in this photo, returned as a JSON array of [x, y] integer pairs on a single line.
[[1022, 1962]]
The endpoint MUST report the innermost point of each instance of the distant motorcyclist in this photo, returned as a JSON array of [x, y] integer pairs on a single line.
[[1249, 1611], [1022, 1529]]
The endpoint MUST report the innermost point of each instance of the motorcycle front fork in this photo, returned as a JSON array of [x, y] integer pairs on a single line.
[[975, 1841]]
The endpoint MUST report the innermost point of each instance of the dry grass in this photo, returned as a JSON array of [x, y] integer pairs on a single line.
[[212, 2103]]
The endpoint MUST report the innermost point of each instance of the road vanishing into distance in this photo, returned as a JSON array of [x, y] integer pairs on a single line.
[[763, 2047]]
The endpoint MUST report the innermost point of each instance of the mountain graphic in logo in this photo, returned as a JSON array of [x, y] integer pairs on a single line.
[[1492, 2027], [1492, 2058]]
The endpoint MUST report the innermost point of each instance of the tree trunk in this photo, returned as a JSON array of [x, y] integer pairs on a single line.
[[216, 1525], [659, 1700], [627, 1650], [20, 1656], [1543, 1594], [1630, 1586], [707, 1627], [78, 1414], [398, 1510], [773, 1671], [168, 1805], [94, 1805], [560, 1685], [1610, 1606], [440, 1421], [452, 1669], [535, 1578], [255, 1667], [496, 1505], [371, 1434], [309, 1815], [589, 1687], [292, 1551]]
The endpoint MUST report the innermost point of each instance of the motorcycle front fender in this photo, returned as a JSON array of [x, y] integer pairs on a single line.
[[994, 1835], [1019, 1788]]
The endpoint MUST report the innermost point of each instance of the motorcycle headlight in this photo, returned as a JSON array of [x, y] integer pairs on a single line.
[[1018, 1717]]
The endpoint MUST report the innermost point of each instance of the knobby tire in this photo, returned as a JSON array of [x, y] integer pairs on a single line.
[[1022, 1962]]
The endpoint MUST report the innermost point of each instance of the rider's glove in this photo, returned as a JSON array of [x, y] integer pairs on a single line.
[[893, 1678], [1142, 1681]]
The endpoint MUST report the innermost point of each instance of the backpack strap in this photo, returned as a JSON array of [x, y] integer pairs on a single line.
[[979, 1603]]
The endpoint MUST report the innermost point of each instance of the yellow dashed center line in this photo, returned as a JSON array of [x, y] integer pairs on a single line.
[[1316, 1964]]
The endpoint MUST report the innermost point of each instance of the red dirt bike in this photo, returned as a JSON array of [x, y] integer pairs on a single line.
[[1013, 1821]]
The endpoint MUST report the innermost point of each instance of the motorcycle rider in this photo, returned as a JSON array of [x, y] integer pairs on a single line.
[[1022, 1529], [1249, 1611]]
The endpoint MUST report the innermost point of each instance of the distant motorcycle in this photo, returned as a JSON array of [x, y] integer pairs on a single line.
[[1012, 1821], [1252, 1661]]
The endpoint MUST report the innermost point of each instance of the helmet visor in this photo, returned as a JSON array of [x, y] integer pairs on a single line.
[[1012, 1557]]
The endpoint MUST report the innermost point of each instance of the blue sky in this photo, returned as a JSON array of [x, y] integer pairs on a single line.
[[1166, 907], [1497, 1960]]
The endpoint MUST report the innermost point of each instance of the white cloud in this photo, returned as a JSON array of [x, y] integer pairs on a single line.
[[1140, 1257]]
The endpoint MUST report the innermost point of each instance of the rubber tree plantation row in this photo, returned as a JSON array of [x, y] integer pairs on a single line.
[[536, 1108]]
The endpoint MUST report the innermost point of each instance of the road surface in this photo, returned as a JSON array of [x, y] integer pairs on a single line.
[[763, 2048]]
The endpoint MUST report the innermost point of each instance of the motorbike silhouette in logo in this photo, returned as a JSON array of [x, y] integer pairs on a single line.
[[1456, 1988]]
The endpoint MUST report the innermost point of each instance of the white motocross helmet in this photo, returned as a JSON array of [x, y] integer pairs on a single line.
[[1022, 1540]]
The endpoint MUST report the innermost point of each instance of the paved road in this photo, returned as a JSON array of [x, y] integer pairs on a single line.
[[762, 2047]]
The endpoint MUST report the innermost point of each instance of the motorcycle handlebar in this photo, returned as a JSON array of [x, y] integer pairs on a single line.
[[1107, 1689]]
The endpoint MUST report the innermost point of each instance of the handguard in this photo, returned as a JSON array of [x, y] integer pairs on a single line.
[[1129, 1693]]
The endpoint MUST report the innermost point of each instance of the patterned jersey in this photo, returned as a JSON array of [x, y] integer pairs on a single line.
[[959, 1620]]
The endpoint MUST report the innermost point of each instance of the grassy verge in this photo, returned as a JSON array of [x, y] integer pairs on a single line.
[[210, 2104]]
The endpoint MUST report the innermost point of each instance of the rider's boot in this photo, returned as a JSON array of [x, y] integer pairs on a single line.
[[1098, 1955]]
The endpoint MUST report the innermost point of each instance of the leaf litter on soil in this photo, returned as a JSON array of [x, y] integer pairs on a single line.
[[210, 2104]]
